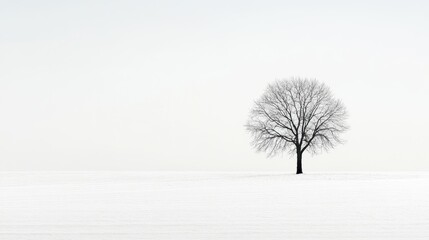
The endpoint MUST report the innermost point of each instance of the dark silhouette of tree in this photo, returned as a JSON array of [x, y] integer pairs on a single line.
[[296, 115]]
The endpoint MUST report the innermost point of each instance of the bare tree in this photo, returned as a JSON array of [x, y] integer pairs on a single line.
[[296, 115]]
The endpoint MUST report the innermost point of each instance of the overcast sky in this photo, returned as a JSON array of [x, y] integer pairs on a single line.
[[168, 85]]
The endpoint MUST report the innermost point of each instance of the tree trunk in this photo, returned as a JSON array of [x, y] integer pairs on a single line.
[[298, 162]]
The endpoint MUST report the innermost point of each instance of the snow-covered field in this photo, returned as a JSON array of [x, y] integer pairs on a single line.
[[137, 205]]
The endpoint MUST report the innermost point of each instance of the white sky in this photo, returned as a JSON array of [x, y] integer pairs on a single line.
[[168, 85]]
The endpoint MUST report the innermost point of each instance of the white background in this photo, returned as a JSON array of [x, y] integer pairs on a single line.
[[168, 85]]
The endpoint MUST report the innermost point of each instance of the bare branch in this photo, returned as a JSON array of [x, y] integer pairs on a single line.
[[296, 115]]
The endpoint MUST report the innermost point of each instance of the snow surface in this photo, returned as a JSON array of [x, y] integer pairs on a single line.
[[138, 205]]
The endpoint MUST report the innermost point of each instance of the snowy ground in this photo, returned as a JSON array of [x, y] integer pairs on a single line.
[[133, 205]]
